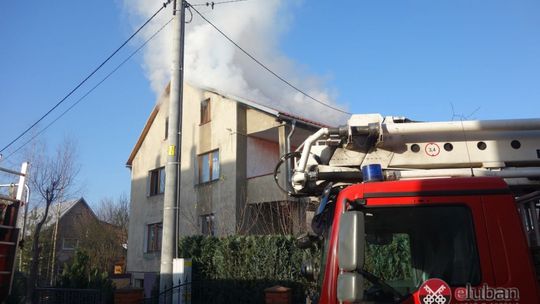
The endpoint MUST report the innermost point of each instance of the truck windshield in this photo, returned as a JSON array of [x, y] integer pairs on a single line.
[[408, 245]]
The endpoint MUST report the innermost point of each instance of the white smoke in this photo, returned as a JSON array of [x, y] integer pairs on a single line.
[[212, 61]]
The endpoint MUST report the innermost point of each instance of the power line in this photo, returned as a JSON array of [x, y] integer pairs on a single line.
[[87, 77], [211, 4], [91, 90], [265, 67]]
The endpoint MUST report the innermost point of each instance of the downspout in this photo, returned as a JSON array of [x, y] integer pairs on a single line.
[[288, 164]]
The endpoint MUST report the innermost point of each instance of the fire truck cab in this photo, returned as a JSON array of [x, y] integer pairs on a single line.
[[424, 212]]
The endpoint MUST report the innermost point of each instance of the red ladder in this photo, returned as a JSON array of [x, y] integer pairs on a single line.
[[9, 232]]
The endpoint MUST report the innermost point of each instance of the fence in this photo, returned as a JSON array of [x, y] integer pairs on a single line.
[[68, 296], [223, 292], [178, 294]]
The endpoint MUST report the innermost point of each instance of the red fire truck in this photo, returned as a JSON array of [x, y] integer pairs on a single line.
[[424, 212]]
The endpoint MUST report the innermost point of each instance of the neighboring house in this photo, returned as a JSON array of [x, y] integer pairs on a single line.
[[69, 224], [59, 233], [229, 149]]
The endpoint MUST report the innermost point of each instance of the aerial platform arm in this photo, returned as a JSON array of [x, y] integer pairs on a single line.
[[407, 149]]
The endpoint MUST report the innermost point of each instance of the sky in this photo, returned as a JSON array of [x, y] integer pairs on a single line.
[[427, 60]]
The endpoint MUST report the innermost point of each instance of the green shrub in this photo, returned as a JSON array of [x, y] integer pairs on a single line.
[[237, 269], [80, 274], [391, 261]]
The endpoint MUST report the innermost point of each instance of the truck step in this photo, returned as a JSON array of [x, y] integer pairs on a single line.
[[5, 272], [7, 227], [7, 243]]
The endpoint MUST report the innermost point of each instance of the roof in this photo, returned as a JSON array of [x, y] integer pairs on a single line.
[[249, 103], [304, 120], [266, 109], [56, 211], [143, 135]]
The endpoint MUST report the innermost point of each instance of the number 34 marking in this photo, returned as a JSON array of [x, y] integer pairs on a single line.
[[432, 149]]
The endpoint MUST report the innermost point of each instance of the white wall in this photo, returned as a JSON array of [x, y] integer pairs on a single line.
[[262, 156]]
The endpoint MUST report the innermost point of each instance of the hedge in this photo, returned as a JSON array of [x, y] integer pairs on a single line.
[[390, 261], [237, 269]]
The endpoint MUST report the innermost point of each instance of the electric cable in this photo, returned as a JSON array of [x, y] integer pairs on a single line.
[[267, 68], [87, 77], [91, 90], [215, 3], [190, 15], [284, 158]]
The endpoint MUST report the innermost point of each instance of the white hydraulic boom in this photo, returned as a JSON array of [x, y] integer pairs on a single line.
[[407, 149]]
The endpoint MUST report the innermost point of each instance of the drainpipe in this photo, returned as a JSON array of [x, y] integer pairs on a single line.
[[288, 163]]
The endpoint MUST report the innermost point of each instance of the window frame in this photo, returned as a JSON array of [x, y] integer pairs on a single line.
[[468, 226], [211, 167], [205, 112], [156, 181], [153, 245], [64, 247]]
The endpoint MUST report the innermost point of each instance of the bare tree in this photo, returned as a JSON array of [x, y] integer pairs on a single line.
[[104, 238], [278, 217], [189, 219], [52, 179], [115, 212], [101, 241], [267, 218]]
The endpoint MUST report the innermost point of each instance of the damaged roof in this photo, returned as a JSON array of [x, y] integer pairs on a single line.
[[282, 116]]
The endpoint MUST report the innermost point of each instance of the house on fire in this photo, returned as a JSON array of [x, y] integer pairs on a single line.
[[230, 147]]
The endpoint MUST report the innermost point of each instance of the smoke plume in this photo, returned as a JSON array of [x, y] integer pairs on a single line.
[[213, 62]]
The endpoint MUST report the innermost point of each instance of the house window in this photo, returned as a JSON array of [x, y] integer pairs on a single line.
[[153, 237], [208, 166], [69, 244], [205, 111], [156, 181], [208, 227]]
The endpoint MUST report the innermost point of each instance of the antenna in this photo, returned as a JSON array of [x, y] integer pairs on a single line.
[[466, 145], [461, 116]]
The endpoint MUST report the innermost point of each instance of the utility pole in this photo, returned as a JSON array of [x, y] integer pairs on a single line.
[[172, 169]]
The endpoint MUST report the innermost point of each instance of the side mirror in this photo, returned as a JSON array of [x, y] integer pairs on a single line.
[[349, 287], [351, 244], [351, 241]]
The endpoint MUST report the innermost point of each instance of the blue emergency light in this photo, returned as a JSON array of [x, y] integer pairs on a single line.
[[372, 173]]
